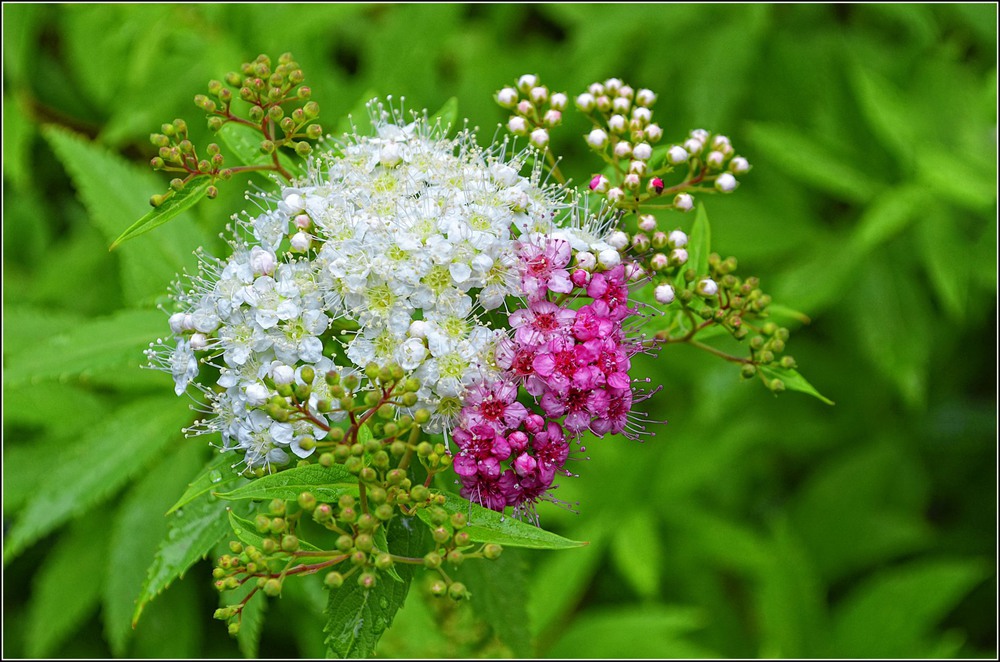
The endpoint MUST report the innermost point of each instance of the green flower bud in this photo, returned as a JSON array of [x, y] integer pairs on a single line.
[[457, 591], [333, 580], [461, 539], [269, 546], [438, 588], [289, 543], [455, 557], [367, 580], [354, 464], [348, 515], [366, 522], [233, 628], [272, 587], [345, 543], [492, 551], [306, 501], [385, 512], [263, 523], [368, 475], [440, 535], [326, 460], [302, 148], [748, 371]]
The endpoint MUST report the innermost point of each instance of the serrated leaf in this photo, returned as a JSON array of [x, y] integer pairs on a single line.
[[98, 464], [799, 156], [326, 484], [116, 193], [890, 614], [67, 588], [191, 534], [217, 473], [793, 381], [357, 617], [246, 531], [487, 525], [101, 344], [174, 624], [137, 529], [177, 203], [499, 590], [244, 142]]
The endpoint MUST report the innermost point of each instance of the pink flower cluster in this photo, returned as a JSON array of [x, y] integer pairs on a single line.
[[574, 362]]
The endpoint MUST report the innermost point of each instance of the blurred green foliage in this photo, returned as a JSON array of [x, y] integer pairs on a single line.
[[747, 525]]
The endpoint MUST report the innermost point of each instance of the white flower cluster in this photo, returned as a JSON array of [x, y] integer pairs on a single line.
[[390, 252]]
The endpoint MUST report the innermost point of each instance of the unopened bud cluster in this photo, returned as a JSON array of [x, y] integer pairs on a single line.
[[535, 110], [279, 108]]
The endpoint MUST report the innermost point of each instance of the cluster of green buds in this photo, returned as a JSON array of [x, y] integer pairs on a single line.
[[384, 471], [273, 102], [535, 110]]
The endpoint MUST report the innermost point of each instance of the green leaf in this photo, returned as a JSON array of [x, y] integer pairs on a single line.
[[947, 259], [174, 625], [956, 179], [251, 618], [799, 156], [246, 531], [890, 614], [888, 114], [357, 617], [487, 525], [100, 345], [886, 216], [637, 550], [115, 193], [499, 590], [136, 531], [647, 631], [446, 116], [700, 243], [244, 142], [793, 381], [326, 484], [103, 460], [66, 589], [358, 120], [177, 203], [219, 472], [191, 534]]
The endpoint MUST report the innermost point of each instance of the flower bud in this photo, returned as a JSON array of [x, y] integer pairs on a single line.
[[282, 374], [616, 195], [693, 146], [525, 108], [585, 102], [647, 222], [664, 293], [707, 287], [263, 262], [683, 202], [609, 258], [552, 117], [658, 262], [596, 89], [617, 123], [714, 159], [618, 240], [623, 150], [621, 105], [678, 256], [526, 82], [390, 155], [539, 94], [302, 222], [642, 151], [294, 202], [301, 242], [599, 184], [678, 239], [585, 260], [176, 322], [631, 181], [603, 103], [726, 182], [656, 185], [645, 97], [637, 167], [558, 101], [613, 85], [540, 138], [518, 126], [642, 115], [579, 278], [507, 97], [654, 133], [597, 139], [739, 165]]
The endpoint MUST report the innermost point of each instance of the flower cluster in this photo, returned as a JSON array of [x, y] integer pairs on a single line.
[[399, 250], [573, 361]]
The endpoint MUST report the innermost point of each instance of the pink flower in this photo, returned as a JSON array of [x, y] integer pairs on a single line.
[[616, 417], [494, 404], [482, 449], [493, 492], [543, 268], [593, 321], [540, 322]]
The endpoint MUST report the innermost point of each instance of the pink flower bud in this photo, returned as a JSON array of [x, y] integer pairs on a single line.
[[599, 184], [539, 94], [558, 101], [603, 103], [612, 85], [585, 260], [678, 256], [263, 261], [701, 135], [524, 107], [302, 222], [631, 181], [552, 117], [616, 194], [626, 91], [647, 222], [623, 150], [198, 342], [714, 159], [637, 167], [656, 184], [525, 464], [540, 138], [580, 278], [518, 126], [659, 262], [300, 242], [596, 89], [654, 133]]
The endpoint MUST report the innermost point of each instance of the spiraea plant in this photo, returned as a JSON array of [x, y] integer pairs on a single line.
[[413, 333]]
